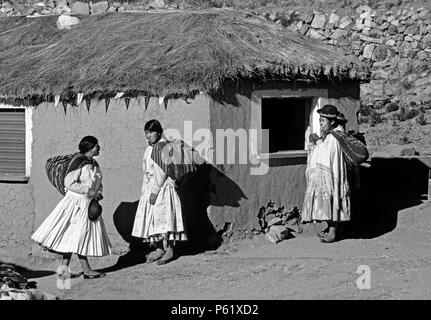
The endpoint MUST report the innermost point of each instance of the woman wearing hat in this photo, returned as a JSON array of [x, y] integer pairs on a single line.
[[68, 229], [327, 197]]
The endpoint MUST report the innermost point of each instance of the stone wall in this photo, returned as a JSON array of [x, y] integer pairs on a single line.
[[395, 43]]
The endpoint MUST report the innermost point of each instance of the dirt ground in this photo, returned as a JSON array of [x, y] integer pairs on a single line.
[[299, 268]]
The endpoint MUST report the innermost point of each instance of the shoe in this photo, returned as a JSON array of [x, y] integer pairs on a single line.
[[155, 255], [76, 275], [165, 261], [327, 240], [322, 234], [94, 276]]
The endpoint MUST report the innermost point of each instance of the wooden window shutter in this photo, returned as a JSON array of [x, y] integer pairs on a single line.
[[12, 143]]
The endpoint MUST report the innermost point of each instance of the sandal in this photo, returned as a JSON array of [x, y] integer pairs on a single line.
[[328, 240], [94, 276], [155, 255], [165, 261]]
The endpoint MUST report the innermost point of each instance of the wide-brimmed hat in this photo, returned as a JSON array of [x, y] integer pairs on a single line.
[[329, 111], [341, 118]]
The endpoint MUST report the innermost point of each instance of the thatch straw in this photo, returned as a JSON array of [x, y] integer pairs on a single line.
[[158, 53]]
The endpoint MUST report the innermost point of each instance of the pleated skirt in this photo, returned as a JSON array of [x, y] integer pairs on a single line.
[[69, 230], [163, 220]]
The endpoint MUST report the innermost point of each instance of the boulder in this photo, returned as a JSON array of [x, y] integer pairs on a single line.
[[390, 42], [308, 17], [338, 34], [157, 4], [278, 233], [66, 21], [318, 21], [422, 55], [275, 221], [411, 30], [380, 53], [427, 40], [334, 19], [80, 8], [344, 22], [392, 29], [99, 7], [315, 34], [368, 51], [422, 82], [363, 9], [370, 39], [423, 14]]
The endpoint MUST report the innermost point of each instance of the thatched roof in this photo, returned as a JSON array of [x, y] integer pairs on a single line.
[[158, 54]]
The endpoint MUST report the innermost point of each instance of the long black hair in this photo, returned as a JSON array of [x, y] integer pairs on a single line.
[[87, 143], [153, 125]]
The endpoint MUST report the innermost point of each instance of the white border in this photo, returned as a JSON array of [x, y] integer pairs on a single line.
[[256, 115], [28, 114]]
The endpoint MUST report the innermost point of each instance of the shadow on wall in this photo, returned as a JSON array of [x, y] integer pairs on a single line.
[[387, 186], [196, 196]]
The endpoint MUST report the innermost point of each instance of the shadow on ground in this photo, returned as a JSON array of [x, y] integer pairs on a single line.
[[29, 273], [388, 186], [195, 195]]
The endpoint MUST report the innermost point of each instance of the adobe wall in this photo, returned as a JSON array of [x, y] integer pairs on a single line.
[[237, 195], [16, 218], [122, 139]]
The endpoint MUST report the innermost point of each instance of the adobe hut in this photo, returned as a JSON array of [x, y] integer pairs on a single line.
[[213, 70]]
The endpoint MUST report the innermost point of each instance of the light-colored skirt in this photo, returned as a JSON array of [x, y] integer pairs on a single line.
[[69, 230], [163, 220], [322, 202]]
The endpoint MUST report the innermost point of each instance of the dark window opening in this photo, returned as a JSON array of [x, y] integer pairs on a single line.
[[286, 119]]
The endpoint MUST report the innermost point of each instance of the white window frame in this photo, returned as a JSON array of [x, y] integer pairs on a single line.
[[28, 114], [317, 95]]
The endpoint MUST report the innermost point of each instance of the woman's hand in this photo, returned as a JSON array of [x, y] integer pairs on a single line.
[[153, 198], [98, 196], [313, 138], [91, 193]]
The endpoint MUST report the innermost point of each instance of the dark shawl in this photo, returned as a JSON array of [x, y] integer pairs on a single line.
[[177, 159], [354, 150], [58, 167]]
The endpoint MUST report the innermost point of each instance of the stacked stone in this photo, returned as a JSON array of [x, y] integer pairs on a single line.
[[396, 45], [36, 8]]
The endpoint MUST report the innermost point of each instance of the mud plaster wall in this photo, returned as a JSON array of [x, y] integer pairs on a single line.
[[122, 139], [16, 218], [237, 195]]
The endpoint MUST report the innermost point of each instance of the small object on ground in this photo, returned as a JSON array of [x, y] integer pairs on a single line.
[[7, 293], [278, 233], [328, 239], [65, 21], [94, 276], [275, 221], [165, 261], [155, 255]]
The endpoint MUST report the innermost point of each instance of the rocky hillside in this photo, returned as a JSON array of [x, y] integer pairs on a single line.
[[392, 36]]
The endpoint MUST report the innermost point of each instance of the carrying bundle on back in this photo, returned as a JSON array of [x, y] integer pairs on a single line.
[[354, 150], [177, 159], [58, 167]]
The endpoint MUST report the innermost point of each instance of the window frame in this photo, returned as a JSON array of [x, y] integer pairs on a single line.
[[316, 95], [28, 113]]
